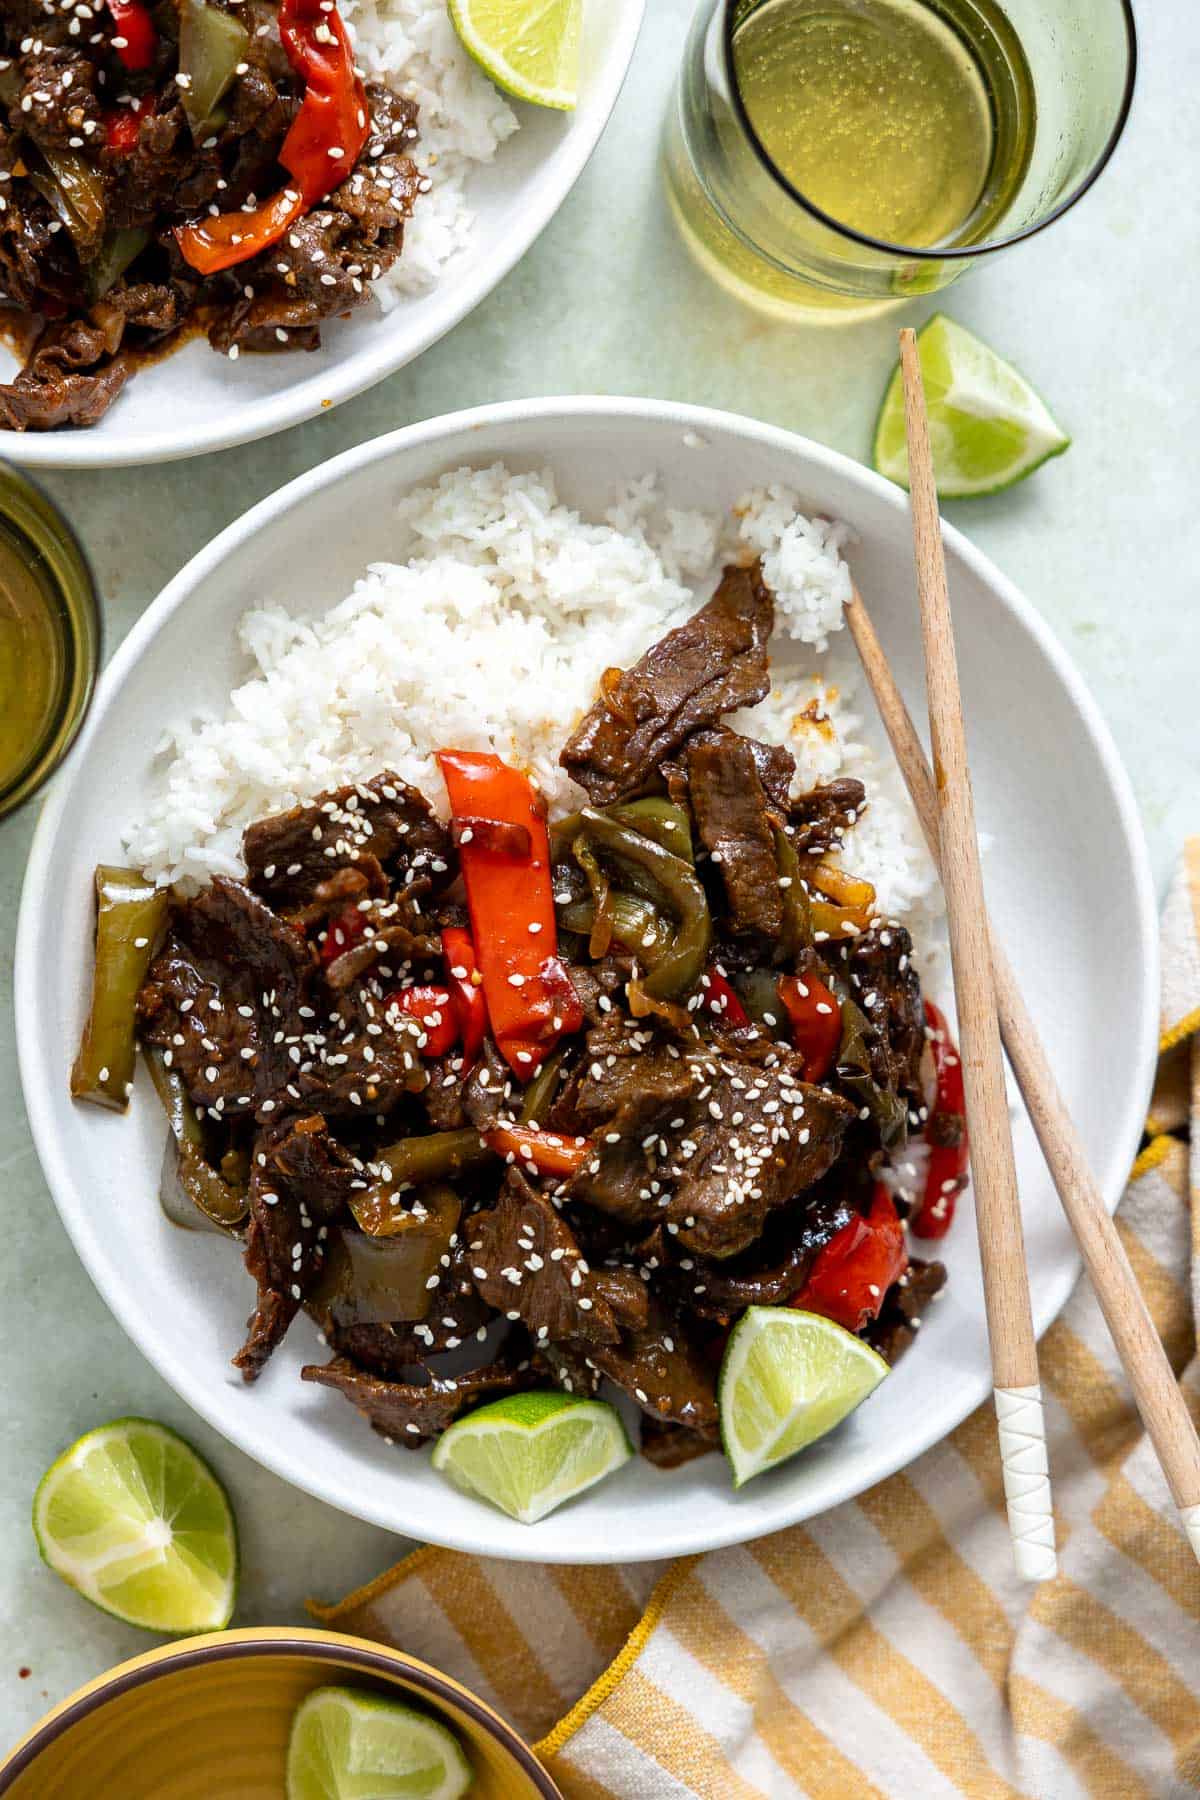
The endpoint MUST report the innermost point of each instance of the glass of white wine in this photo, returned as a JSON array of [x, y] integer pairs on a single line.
[[831, 156]]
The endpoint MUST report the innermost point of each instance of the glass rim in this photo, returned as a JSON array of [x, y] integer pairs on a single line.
[[913, 252], [39, 522]]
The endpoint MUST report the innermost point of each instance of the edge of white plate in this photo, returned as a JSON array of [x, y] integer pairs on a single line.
[[86, 1239], [368, 365]]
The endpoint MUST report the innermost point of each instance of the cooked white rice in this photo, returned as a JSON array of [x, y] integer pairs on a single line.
[[412, 46], [489, 631]]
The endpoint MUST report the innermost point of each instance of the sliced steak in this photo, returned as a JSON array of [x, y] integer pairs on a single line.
[[662, 1367], [711, 665], [223, 998], [301, 1179], [904, 1308], [730, 809], [289, 856], [774, 765], [527, 1264], [888, 990], [405, 1413], [774, 1269], [764, 1138], [820, 819]]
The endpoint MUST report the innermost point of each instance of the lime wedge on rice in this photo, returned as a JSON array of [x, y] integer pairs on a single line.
[[347, 1745], [530, 48], [134, 1521], [788, 1377], [987, 427], [528, 1453]]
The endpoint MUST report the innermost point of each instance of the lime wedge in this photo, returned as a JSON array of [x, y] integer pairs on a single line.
[[987, 427], [787, 1378], [134, 1521], [351, 1746], [528, 1453], [530, 48]]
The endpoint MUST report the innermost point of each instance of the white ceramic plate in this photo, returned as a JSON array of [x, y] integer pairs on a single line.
[[1067, 876], [195, 400]]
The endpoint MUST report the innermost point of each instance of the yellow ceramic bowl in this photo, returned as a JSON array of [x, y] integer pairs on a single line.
[[210, 1716]]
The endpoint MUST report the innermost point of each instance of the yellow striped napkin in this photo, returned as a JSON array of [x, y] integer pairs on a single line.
[[887, 1648]]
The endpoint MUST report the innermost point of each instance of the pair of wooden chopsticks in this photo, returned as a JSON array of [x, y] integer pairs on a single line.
[[990, 1007]]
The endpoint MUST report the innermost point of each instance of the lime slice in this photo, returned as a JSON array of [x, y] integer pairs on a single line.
[[351, 1746], [528, 1453], [987, 427], [787, 1378], [134, 1521], [530, 48]]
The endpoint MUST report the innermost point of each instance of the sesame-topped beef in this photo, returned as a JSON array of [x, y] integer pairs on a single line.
[[550, 1104]]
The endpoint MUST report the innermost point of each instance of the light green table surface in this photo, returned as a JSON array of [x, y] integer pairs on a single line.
[[1100, 312]]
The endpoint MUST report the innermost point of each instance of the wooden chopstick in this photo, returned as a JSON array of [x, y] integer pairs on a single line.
[[1017, 1387], [1159, 1398]]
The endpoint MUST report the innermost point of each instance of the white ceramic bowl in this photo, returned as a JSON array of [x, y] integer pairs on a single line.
[[195, 400], [1067, 875]]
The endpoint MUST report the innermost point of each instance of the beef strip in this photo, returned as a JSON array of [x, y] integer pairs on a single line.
[[712, 664], [820, 819], [903, 1309], [670, 1446], [526, 1262], [774, 1268], [59, 384], [620, 1064], [620, 1179], [663, 1368], [765, 1136], [288, 857], [408, 1414], [730, 809], [360, 1059], [300, 1180], [774, 765], [223, 997], [888, 990], [58, 95]]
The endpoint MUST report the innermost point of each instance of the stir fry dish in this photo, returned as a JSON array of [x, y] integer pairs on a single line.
[[513, 1103], [166, 164]]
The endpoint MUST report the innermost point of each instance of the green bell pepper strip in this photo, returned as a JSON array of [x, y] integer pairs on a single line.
[[189, 1184], [888, 1111], [661, 820], [211, 45], [680, 968], [797, 933], [438, 1156], [130, 914]]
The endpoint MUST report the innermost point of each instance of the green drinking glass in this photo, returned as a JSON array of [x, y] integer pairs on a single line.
[[829, 157], [49, 637]]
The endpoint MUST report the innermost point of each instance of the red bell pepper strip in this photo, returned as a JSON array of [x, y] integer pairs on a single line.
[[135, 40], [721, 999], [530, 1000], [319, 151], [346, 929], [816, 1020], [466, 989], [433, 1010], [229, 238], [945, 1134], [855, 1269], [121, 127], [545, 1151]]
